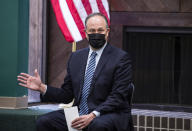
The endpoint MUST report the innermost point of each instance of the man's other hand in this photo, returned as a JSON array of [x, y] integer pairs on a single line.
[[82, 121]]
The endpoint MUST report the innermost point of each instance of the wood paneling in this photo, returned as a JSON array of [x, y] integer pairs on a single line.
[[58, 52], [35, 43], [116, 36], [152, 19], [186, 5], [145, 5]]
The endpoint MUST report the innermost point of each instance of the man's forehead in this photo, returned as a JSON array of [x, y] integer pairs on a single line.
[[96, 20]]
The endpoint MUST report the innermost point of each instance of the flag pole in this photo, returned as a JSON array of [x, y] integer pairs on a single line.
[[74, 47]]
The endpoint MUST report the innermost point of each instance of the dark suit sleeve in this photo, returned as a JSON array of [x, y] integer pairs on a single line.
[[117, 98], [63, 94]]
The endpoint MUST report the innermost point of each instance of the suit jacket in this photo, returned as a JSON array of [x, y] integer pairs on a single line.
[[109, 87]]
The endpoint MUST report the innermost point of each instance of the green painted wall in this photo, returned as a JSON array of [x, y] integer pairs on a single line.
[[14, 35]]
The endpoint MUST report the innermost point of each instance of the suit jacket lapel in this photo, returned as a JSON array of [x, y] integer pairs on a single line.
[[82, 71], [103, 60]]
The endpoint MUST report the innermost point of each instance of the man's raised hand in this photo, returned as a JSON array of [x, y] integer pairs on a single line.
[[31, 82]]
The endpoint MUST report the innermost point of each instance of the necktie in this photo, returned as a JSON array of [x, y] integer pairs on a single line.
[[86, 86]]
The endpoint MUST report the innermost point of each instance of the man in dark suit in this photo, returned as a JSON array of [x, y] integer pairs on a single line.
[[97, 79]]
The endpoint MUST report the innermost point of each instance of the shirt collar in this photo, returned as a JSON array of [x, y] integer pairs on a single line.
[[99, 51]]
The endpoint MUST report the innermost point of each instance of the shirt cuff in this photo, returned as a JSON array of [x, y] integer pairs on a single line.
[[97, 114], [45, 90]]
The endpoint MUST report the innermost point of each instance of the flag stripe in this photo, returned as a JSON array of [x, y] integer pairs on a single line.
[[87, 6], [76, 17], [106, 6], [102, 10], [94, 6], [70, 21], [61, 21], [81, 10]]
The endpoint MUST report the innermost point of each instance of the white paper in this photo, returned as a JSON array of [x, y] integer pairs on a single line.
[[71, 114]]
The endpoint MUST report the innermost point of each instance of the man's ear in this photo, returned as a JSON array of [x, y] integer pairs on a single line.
[[107, 34], [86, 35]]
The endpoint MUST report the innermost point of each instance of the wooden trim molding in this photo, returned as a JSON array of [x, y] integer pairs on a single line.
[[36, 41], [13, 102], [152, 19]]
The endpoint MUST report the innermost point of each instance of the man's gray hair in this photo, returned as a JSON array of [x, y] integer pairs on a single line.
[[96, 14]]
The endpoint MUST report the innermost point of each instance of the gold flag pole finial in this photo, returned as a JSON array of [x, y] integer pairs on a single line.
[[74, 47]]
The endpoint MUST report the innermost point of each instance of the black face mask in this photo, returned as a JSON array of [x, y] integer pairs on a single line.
[[97, 40]]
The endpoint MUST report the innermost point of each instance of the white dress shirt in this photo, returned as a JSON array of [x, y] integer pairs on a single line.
[[99, 53]]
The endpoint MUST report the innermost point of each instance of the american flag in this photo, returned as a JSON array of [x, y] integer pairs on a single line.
[[71, 15]]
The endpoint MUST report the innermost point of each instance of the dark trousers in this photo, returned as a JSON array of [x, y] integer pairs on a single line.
[[55, 121]]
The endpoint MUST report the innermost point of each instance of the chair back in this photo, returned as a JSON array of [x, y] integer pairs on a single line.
[[130, 93], [131, 88]]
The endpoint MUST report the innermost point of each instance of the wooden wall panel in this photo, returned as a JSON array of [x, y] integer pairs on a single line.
[[58, 52], [116, 35], [35, 43], [152, 19], [145, 5], [186, 5]]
